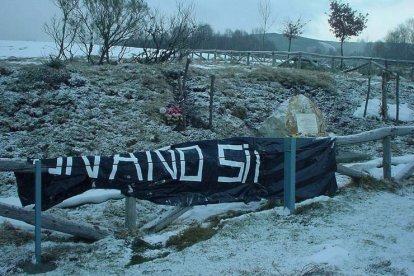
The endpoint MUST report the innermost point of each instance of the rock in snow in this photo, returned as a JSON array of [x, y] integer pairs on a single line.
[[283, 121]]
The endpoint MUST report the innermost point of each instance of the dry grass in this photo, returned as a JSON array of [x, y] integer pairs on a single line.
[[372, 184], [190, 236], [12, 235], [294, 77]]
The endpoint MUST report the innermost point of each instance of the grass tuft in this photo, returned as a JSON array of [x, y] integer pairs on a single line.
[[12, 235], [294, 77], [191, 236], [373, 184]]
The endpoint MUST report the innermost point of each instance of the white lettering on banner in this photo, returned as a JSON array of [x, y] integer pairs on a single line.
[[58, 169], [242, 174], [92, 172], [69, 163], [150, 166], [132, 158], [247, 165], [171, 170], [230, 163], [256, 171], [198, 177]]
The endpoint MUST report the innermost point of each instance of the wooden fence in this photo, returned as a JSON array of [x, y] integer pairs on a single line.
[[280, 58], [388, 69]]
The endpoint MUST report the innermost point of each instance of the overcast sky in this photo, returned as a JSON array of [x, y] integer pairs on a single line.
[[23, 19]]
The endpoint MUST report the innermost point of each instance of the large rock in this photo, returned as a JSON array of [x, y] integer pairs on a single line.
[[283, 121]]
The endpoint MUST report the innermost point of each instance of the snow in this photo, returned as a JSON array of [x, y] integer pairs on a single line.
[[353, 233], [91, 196], [374, 107], [374, 167]]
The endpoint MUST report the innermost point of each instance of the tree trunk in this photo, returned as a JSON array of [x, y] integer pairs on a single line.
[[342, 54], [62, 40], [102, 56], [290, 43]]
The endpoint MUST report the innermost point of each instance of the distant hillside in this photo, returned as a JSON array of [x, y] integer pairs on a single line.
[[316, 46]]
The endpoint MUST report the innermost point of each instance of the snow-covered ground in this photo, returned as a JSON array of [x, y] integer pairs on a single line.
[[374, 111], [353, 233], [36, 49]]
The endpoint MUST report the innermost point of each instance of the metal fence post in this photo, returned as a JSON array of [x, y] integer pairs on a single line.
[[38, 210], [130, 213], [289, 174], [386, 157]]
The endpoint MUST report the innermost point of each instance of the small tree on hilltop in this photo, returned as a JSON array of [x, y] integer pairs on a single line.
[[345, 22], [293, 30]]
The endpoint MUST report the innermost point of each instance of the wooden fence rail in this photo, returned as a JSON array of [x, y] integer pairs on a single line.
[[200, 53]]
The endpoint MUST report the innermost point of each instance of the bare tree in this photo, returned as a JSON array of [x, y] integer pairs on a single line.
[[265, 12], [63, 30], [116, 21], [345, 23], [165, 37], [86, 35], [293, 29]]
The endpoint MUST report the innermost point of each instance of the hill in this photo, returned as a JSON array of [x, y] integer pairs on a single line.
[[305, 44]]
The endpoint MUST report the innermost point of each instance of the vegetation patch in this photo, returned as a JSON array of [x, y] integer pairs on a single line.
[[138, 247], [270, 204], [5, 71], [41, 77], [55, 63], [191, 236], [373, 184], [199, 233], [305, 209], [294, 77], [11, 235], [139, 259]]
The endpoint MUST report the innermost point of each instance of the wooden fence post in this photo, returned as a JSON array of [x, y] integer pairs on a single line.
[[130, 213], [210, 117], [384, 104], [369, 89], [299, 65], [386, 157], [248, 58], [397, 92], [273, 59]]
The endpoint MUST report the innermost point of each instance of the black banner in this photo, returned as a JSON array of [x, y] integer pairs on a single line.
[[193, 173]]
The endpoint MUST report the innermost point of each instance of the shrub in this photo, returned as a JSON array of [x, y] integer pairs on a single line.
[[41, 77], [5, 72], [55, 63]]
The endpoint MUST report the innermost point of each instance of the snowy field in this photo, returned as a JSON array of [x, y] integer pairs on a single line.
[[356, 232], [34, 49]]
